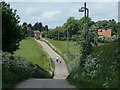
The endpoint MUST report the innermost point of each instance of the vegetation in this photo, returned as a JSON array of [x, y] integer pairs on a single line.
[[29, 28], [12, 33], [94, 68], [100, 69], [35, 63], [32, 51], [16, 69], [73, 27]]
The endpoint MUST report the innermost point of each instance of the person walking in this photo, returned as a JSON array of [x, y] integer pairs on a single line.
[[57, 59]]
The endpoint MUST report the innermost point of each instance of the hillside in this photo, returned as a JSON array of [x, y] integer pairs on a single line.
[[33, 52]]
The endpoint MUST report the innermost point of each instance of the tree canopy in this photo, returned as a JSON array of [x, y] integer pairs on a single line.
[[12, 32]]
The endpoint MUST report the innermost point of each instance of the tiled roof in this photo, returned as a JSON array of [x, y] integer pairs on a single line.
[[103, 32]]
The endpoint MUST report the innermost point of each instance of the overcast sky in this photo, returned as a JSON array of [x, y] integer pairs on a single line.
[[56, 13]]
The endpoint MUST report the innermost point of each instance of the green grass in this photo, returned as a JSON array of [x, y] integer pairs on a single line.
[[32, 51], [62, 49]]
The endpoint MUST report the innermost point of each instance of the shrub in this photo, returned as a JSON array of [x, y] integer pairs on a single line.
[[15, 69], [100, 69]]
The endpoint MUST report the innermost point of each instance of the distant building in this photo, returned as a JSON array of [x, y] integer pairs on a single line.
[[104, 32], [29, 32], [37, 34]]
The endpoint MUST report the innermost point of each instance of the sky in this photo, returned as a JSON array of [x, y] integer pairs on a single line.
[[56, 13]]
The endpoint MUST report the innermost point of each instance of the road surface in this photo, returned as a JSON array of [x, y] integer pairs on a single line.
[[45, 83], [61, 71], [60, 74]]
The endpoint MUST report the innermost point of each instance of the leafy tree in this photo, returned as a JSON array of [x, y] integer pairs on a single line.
[[12, 32], [46, 27], [24, 26], [30, 25], [112, 25], [102, 24], [51, 33], [72, 26], [86, 37], [38, 26], [118, 29]]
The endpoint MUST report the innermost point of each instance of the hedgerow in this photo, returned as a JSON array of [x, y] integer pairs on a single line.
[[16, 69], [101, 68]]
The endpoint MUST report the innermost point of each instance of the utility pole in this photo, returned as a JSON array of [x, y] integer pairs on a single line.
[[67, 41], [58, 37]]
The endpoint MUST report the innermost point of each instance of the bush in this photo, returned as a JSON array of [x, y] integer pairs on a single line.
[[100, 69], [43, 34], [15, 69], [103, 39]]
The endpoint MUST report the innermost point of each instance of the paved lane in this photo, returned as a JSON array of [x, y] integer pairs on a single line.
[[60, 74], [44, 83], [61, 71]]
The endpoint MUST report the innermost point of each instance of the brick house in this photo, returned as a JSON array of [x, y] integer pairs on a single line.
[[37, 34], [104, 32]]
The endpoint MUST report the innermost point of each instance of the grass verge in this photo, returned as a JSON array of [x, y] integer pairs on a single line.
[[33, 52]]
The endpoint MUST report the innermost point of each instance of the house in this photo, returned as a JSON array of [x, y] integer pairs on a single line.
[[29, 32], [104, 32], [37, 34]]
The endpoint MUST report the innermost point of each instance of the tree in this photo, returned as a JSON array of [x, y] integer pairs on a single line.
[[12, 32], [30, 25], [112, 25], [46, 29], [118, 29], [24, 27], [38, 26], [35, 26], [86, 37], [71, 27]]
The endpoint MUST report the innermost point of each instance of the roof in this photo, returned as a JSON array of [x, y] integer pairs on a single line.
[[104, 32]]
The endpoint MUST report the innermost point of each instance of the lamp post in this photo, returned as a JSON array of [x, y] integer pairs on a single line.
[[58, 35], [86, 17], [86, 28]]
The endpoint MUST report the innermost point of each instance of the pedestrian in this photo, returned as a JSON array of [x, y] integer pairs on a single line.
[[57, 59], [60, 61]]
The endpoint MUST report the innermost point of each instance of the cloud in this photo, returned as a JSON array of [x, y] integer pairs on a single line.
[[107, 10], [50, 14], [73, 10], [30, 10], [54, 14]]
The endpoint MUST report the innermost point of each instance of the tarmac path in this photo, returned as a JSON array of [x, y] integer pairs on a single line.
[[60, 74]]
